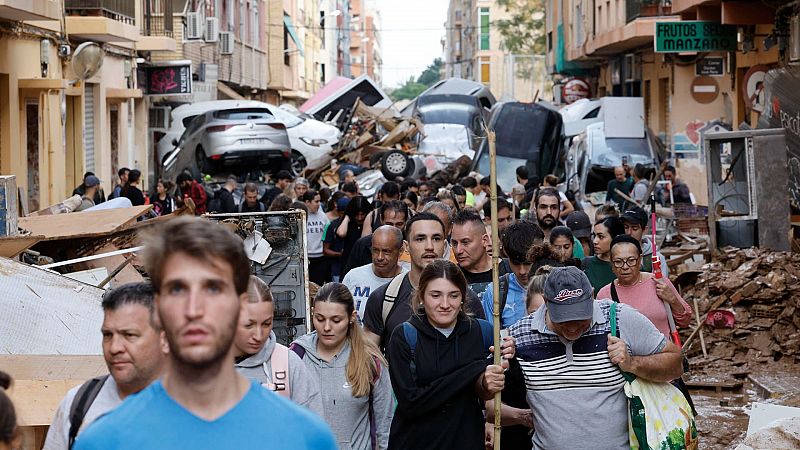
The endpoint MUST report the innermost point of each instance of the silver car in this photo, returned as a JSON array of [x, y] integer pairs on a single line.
[[235, 136]]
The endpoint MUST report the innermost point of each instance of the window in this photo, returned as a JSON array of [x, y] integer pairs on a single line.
[[483, 26], [286, 59], [242, 26], [486, 68], [256, 27]]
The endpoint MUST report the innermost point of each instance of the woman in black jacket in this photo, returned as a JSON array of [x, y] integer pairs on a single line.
[[440, 369]]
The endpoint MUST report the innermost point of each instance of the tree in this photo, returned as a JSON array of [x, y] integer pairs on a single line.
[[432, 73], [409, 90], [523, 32], [412, 88]]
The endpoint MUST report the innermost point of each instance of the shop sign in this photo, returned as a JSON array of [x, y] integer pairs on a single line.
[[694, 36], [171, 79], [710, 66], [574, 90]]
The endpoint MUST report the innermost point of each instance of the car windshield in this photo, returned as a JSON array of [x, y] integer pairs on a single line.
[[637, 150], [456, 113], [243, 114], [628, 146], [287, 118]]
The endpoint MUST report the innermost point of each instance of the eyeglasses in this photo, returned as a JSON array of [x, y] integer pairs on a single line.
[[630, 262]]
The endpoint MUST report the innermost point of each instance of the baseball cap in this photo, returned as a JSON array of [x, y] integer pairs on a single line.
[[341, 205], [635, 215], [91, 180], [568, 294], [301, 181], [580, 224]]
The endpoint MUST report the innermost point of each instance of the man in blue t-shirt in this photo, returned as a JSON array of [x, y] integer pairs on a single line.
[[200, 274]]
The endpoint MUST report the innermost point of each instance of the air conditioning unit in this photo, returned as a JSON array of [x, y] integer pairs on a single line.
[[194, 25], [212, 29], [226, 43]]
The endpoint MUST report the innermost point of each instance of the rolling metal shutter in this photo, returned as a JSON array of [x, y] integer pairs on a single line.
[[88, 128]]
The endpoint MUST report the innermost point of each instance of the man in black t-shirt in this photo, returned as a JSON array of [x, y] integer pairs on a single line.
[[469, 241], [424, 241]]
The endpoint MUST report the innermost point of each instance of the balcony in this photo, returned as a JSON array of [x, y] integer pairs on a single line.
[[647, 8], [19, 10], [156, 33], [102, 20]]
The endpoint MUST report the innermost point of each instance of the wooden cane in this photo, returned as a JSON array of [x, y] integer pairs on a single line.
[[495, 277]]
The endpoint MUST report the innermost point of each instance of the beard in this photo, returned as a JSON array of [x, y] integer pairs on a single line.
[[191, 357], [548, 222]]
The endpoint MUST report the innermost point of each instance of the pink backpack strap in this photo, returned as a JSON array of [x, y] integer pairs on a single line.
[[280, 371]]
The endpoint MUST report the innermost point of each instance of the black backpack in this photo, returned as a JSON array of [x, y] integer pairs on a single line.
[[81, 403]]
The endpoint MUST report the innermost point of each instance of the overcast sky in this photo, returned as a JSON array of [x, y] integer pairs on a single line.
[[412, 31]]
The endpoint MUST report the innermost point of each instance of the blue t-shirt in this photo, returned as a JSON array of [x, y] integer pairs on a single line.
[[152, 420]]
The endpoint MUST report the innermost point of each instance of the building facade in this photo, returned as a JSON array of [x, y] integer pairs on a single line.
[[365, 40], [611, 46], [474, 50]]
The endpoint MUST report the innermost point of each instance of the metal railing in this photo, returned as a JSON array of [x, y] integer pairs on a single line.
[[119, 10], [646, 8], [157, 15]]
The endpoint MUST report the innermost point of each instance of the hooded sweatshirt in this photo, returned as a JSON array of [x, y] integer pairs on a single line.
[[348, 416], [437, 405], [303, 385]]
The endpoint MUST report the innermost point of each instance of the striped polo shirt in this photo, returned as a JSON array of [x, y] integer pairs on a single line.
[[575, 392]]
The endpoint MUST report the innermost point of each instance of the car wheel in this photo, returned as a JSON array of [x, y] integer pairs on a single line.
[[395, 163], [202, 162], [298, 163]]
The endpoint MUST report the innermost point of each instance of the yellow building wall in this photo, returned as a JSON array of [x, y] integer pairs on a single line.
[[20, 59]]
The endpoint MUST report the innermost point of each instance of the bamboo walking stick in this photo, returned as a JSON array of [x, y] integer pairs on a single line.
[[495, 276]]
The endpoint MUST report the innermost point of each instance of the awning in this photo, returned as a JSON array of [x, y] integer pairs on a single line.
[[287, 22]]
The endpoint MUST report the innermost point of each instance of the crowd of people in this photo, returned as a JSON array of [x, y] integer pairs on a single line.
[[399, 355]]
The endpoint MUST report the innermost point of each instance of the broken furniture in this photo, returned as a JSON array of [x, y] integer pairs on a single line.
[[747, 181]]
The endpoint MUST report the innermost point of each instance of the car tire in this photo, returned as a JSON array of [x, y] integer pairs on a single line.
[[203, 164], [395, 163], [298, 163]]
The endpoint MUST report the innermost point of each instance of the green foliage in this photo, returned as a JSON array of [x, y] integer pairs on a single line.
[[523, 31], [409, 90], [412, 88], [432, 73]]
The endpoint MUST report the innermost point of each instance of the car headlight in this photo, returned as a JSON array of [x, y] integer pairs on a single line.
[[314, 142]]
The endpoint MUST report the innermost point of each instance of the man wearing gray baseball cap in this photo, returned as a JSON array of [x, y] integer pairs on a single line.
[[573, 366]]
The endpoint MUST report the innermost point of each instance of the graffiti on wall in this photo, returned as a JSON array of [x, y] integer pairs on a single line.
[[689, 142]]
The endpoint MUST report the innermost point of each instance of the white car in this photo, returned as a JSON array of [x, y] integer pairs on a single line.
[[312, 141]]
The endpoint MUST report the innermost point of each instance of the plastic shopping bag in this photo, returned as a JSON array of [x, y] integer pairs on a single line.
[[660, 416]]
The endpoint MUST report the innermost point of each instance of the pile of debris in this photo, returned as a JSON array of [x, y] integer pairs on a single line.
[[749, 307], [371, 136]]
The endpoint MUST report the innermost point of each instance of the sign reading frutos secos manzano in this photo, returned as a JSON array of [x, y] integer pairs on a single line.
[[694, 36]]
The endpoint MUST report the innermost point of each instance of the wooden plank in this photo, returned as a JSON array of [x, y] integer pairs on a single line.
[[42, 381], [82, 224], [53, 367], [13, 246]]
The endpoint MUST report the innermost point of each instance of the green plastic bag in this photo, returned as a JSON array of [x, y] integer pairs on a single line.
[[660, 416]]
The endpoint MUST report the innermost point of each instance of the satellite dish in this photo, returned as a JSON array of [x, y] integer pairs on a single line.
[[87, 60]]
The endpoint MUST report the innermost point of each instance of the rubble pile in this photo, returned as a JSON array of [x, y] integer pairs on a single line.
[[372, 133], [761, 289]]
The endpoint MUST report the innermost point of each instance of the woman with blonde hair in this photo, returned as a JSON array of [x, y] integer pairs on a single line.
[[260, 357], [356, 391]]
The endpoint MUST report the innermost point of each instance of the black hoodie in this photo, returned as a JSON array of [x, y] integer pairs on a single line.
[[437, 406]]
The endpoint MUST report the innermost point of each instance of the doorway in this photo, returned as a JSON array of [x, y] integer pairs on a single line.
[[114, 140], [32, 146]]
